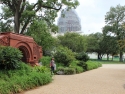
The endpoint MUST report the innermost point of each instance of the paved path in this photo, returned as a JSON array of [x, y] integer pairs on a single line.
[[108, 79]]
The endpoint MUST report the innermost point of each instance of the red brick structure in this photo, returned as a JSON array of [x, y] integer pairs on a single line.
[[31, 51]]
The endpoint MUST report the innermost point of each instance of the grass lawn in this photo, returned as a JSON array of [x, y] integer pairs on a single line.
[[111, 62], [105, 61]]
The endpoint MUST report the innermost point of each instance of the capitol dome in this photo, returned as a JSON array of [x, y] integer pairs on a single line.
[[69, 22]]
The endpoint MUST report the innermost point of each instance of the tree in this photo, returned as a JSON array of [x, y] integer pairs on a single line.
[[73, 41], [94, 44], [110, 46], [115, 20], [39, 31], [21, 13], [5, 26]]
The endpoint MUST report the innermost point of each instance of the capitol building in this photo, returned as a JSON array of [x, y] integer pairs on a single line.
[[69, 22]]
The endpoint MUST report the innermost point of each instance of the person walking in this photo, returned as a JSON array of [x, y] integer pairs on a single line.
[[52, 65]]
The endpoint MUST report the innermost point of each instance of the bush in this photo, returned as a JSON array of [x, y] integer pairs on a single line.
[[69, 71], [76, 66], [93, 65], [66, 70], [45, 60], [82, 64], [64, 55], [61, 69], [41, 69], [78, 69], [9, 57], [24, 78], [74, 63], [82, 56]]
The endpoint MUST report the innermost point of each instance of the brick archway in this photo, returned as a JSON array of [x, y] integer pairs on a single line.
[[26, 50], [31, 51], [25, 53]]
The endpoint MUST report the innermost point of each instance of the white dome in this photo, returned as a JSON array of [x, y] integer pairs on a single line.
[[70, 22]]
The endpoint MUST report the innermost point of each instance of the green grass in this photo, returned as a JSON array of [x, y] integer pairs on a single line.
[[93, 64], [105, 61], [111, 62], [24, 78], [110, 59]]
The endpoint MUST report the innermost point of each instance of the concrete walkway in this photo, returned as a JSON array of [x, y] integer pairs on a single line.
[[108, 79]]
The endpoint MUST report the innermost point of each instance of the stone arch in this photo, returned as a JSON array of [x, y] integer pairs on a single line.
[[26, 50], [31, 51], [25, 53]]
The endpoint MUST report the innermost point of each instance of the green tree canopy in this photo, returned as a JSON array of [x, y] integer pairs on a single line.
[[41, 34], [21, 13], [115, 22], [94, 44], [110, 46], [73, 41]]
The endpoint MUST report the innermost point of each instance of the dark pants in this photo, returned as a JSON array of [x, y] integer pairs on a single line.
[[52, 69]]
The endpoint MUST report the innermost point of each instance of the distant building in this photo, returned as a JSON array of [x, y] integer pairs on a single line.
[[69, 22]]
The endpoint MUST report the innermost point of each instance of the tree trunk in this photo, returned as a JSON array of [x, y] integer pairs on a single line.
[[99, 56], [108, 57], [121, 56], [25, 25], [16, 21], [112, 57]]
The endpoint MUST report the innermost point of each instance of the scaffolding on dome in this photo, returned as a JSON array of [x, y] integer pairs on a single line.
[[70, 22]]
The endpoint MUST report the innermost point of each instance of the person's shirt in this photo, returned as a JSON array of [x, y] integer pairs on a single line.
[[52, 63]]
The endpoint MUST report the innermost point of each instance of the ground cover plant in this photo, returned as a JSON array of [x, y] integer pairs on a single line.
[[93, 65], [104, 61], [110, 62], [17, 76], [9, 57], [76, 68], [24, 78], [64, 55]]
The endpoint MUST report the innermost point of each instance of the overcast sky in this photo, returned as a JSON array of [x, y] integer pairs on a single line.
[[92, 13]]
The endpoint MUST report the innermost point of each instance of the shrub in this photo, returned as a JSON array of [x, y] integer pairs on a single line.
[[9, 57], [66, 70], [69, 71], [24, 78], [76, 66], [93, 65], [78, 69], [82, 56], [82, 64], [74, 63], [64, 55], [45, 60], [60, 69], [41, 69]]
